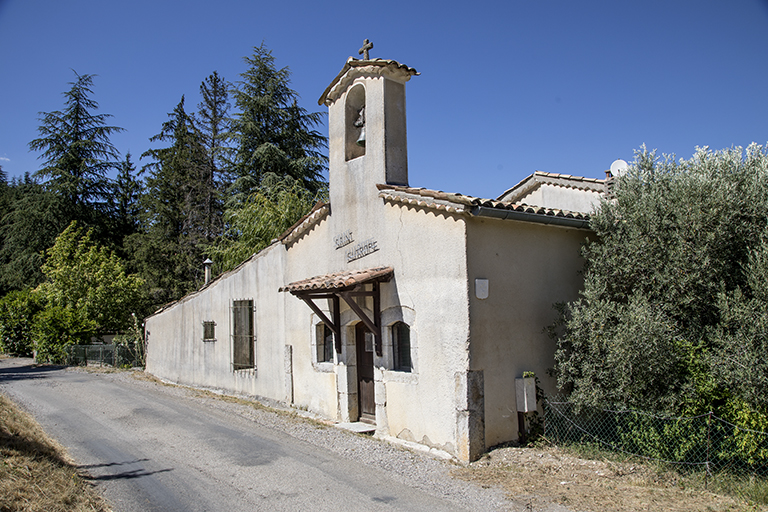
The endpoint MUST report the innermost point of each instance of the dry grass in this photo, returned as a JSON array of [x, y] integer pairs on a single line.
[[35, 474], [538, 476]]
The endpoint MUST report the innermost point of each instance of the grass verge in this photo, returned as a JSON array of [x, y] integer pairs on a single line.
[[750, 488], [35, 473], [585, 478]]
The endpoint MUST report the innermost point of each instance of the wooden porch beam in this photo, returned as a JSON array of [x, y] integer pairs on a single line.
[[372, 325], [334, 326]]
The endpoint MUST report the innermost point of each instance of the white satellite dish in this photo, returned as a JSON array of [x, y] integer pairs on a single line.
[[619, 167]]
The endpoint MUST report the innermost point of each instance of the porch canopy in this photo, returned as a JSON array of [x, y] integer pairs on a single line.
[[345, 285]]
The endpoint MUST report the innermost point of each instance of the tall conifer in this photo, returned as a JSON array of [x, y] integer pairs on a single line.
[[169, 251], [272, 133], [214, 127], [77, 152], [125, 199]]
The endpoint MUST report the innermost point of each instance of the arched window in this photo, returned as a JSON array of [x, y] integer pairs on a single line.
[[401, 344], [324, 343]]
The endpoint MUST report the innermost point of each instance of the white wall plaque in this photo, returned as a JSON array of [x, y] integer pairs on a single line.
[[481, 288]]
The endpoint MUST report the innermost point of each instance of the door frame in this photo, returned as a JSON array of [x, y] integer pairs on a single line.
[[366, 387]]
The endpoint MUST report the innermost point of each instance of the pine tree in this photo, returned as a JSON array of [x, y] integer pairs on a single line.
[[214, 123], [169, 251], [214, 126], [75, 145], [272, 133], [125, 199]]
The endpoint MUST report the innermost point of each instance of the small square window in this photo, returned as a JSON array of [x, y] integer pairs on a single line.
[[209, 331], [401, 344], [324, 342]]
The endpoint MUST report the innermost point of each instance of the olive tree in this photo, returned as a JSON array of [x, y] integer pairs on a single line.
[[673, 316]]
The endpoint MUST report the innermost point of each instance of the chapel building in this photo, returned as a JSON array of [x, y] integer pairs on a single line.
[[408, 309]]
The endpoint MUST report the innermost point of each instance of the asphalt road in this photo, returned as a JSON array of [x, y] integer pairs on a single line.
[[154, 447]]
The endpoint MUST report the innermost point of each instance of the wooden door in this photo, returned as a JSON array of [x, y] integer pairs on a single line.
[[365, 388]]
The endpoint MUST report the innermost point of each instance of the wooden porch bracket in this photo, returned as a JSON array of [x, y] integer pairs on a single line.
[[345, 285], [335, 324]]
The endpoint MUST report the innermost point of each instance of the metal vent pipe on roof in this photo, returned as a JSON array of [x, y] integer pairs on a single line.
[[207, 266]]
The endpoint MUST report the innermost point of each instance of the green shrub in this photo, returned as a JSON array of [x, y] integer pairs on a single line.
[[17, 312], [56, 328]]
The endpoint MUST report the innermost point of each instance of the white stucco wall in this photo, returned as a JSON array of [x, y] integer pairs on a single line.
[[426, 250], [530, 267], [175, 347], [550, 195]]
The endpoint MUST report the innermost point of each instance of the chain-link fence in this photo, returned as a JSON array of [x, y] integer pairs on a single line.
[[119, 356], [704, 444]]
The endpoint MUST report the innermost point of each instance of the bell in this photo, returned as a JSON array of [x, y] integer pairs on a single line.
[[361, 138]]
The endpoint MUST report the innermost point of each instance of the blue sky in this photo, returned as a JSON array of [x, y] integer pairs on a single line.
[[506, 87]]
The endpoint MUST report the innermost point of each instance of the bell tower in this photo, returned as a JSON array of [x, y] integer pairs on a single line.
[[367, 127]]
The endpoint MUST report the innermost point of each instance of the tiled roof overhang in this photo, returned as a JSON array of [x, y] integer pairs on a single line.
[[561, 180], [340, 281], [318, 213], [461, 204], [373, 67]]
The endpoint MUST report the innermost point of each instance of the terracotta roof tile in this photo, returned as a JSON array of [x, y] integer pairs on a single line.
[[318, 212], [374, 66], [561, 180], [459, 203], [340, 280]]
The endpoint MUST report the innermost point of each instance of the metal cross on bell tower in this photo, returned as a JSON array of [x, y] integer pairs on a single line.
[[367, 45]]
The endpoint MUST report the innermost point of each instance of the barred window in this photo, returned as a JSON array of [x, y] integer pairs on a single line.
[[209, 331], [242, 335], [401, 345], [324, 342]]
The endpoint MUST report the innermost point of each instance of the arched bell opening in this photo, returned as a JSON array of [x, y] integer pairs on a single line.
[[354, 117]]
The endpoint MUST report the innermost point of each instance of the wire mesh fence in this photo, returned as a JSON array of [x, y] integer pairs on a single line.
[[119, 356], [705, 443]]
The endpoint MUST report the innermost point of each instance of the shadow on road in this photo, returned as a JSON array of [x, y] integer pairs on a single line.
[[110, 464], [22, 369], [127, 475]]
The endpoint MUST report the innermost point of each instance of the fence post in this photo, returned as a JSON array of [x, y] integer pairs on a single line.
[[709, 442]]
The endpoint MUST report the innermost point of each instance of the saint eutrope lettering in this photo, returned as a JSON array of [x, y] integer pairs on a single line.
[[362, 249], [343, 239]]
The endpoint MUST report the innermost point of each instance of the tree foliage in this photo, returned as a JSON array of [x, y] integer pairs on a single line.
[[90, 282], [217, 183], [673, 316], [272, 134], [251, 226], [31, 225]]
